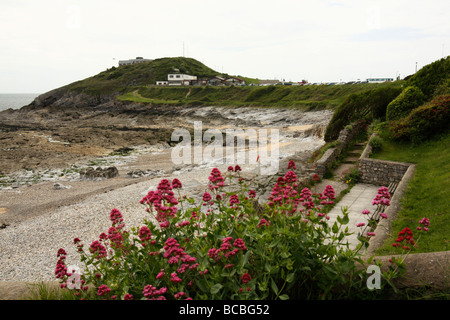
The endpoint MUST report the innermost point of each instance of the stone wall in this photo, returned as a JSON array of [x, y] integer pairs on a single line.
[[381, 172], [330, 155]]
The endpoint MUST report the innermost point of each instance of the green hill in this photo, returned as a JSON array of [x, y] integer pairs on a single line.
[[136, 83], [120, 79]]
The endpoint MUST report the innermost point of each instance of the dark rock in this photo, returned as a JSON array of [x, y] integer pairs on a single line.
[[99, 173]]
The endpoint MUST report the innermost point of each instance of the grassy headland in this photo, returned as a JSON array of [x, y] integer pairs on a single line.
[[137, 83]]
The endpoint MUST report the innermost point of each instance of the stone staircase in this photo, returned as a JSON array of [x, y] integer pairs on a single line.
[[354, 154]]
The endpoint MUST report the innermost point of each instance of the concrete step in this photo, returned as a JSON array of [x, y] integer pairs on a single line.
[[350, 160]]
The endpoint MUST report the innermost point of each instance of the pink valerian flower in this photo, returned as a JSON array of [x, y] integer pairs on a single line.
[[246, 278], [252, 194], [230, 169], [182, 224], [103, 290], [361, 224], [365, 211], [234, 199], [404, 238], [216, 179], [116, 238], [176, 184], [329, 192], [226, 249], [237, 168], [98, 249], [371, 234], [179, 295], [291, 165], [174, 278], [316, 177], [206, 197], [263, 222], [128, 297], [160, 274], [163, 200], [61, 269], [284, 193], [174, 254], [151, 292], [145, 235], [383, 197], [239, 243], [117, 219], [383, 215], [290, 177], [425, 222]]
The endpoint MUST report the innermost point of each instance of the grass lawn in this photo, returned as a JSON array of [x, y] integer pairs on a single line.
[[427, 194]]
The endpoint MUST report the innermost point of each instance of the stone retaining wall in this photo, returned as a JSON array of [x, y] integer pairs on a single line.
[[330, 155], [380, 172]]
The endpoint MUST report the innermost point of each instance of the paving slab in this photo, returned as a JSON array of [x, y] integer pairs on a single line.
[[358, 199]]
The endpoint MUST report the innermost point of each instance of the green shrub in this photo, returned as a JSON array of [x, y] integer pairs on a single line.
[[410, 98], [424, 122], [224, 248], [431, 76], [369, 105], [376, 143]]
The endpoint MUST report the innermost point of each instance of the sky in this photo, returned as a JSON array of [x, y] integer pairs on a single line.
[[47, 44]]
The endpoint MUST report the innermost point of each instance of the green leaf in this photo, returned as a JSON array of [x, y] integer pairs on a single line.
[[345, 220], [335, 227], [245, 258], [216, 288], [290, 277], [274, 286], [284, 297]]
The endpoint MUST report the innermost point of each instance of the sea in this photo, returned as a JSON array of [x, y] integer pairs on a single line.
[[16, 100]]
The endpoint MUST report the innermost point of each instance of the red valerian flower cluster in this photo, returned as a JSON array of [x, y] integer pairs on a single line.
[[404, 238], [226, 250], [216, 179], [151, 293], [61, 269], [291, 165], [163, 201], [425, 222], [383, 197]]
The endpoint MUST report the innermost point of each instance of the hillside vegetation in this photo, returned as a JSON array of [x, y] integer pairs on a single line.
[[430, 86], [136, 83]]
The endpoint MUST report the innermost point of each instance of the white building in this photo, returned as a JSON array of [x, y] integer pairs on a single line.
[[176, 79], [133, 61], [379, 80]]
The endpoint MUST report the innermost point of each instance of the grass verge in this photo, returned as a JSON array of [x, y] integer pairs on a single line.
[[427, 194]]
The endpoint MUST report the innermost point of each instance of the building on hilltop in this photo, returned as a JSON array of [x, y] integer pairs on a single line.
[[133, 61], [176, 79], [379, 80]]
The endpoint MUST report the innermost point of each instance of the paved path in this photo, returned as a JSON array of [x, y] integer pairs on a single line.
[[359, 198]]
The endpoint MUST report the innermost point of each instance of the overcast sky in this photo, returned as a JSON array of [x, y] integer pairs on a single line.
[[46, 44]]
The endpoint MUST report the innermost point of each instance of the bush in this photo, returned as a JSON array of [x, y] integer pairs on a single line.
[[376, 143], [410, 98], [369, 105], [431, 76], [224, 247], [350, 176], [424, 122]]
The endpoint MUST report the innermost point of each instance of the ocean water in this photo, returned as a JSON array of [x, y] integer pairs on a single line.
[[16, 100]]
